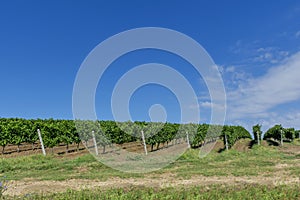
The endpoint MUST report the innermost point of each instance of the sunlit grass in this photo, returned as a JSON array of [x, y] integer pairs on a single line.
[[245, 192], [53, 168], [259, 160]]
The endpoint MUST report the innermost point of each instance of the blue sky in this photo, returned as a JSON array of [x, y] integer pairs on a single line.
[[256, 45]]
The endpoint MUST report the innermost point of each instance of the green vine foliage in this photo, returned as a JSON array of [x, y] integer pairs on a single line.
[[276, 131], [257, 132], [55, 132], [233, 134]]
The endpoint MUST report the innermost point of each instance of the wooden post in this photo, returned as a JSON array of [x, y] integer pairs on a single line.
[[257, 132], [95, 143], [188, 140], [281, 137], [226, 143], [41, 141], [144, 143]]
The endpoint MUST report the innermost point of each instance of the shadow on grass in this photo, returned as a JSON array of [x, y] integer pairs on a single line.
[[272, 142]]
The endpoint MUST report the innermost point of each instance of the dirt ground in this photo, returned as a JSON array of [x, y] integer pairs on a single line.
[[165, 180], [28, 149]]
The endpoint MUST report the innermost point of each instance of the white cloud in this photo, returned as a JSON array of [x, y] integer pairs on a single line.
[[287, 120], [271, 55], [263, 57], [211, 105], [203, 97], [234, 76], [230, 69], [220, 69], [297, 34], [196, 106], [283, 53], [252, 100], [256, 96], [206, 104]]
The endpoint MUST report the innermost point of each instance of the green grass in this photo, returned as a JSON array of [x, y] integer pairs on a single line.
[[54, 168], [245, 192], [258, 161], [296, 142]]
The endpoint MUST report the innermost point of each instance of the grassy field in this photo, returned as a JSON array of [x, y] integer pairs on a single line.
[[263, 172], [212, 192]]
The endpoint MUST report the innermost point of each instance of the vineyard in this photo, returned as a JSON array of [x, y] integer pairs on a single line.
[[23, 132], [58, 133], [256, 167]]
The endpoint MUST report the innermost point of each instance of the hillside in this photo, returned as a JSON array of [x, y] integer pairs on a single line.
[[240, 170]]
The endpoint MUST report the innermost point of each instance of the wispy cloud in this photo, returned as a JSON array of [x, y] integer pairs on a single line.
[[255, 97], [211, 105], [297, 34], [289, 119], [230, 69], [255, 53], [271, 55], [206, 104], [260, 99]]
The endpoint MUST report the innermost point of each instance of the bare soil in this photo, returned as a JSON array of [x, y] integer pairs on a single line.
[[26, 150], [161, 181], [242, 145]]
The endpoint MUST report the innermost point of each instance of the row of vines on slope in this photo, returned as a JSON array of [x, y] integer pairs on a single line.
[[17, 131], [280, 133]]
